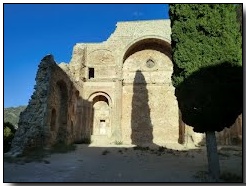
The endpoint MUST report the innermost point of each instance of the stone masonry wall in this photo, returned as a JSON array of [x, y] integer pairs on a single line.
[[63, 101], [52, 112], [150, 110], [107, 59], [30, 132]]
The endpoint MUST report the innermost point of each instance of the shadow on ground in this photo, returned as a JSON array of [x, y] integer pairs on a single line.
[[121, 163]]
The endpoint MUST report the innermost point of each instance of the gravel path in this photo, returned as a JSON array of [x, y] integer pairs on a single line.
[[88, 164]]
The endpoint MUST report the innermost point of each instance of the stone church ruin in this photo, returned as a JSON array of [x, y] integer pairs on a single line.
[[119, 90]]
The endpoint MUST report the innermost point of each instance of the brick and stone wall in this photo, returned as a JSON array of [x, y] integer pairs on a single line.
[[64, 121]]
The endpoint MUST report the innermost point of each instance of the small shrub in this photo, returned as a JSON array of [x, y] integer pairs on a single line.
[[118, 142], [105, 152], [161, 149], [140, 148]]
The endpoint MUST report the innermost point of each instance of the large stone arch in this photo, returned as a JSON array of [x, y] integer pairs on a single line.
[[94, 94], [152, 42], [146, 74]]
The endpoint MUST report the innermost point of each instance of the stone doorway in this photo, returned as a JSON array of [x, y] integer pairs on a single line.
[[101, 116]]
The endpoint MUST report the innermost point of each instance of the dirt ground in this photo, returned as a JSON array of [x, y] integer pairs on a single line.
[[124, 164]]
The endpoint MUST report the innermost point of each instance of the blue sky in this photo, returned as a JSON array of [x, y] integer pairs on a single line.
[[33, 30]]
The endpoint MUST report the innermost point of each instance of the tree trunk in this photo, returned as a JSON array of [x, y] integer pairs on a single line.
[[181, 139], [212, 154]]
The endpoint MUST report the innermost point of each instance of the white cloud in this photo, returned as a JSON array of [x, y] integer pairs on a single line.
[[137, 14]]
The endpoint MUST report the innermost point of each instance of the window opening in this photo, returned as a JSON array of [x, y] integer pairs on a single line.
[[150, 63], [91, 73]]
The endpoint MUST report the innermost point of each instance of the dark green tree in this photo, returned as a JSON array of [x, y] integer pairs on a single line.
[[9, 132], [207, 59]]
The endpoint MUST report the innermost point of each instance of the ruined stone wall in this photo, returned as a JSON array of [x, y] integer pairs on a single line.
[[31, 126], [114, 78], [52, 114], [126, 32], [64, 108], [76, 66]]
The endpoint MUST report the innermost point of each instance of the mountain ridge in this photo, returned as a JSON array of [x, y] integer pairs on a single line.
[[11, 114]]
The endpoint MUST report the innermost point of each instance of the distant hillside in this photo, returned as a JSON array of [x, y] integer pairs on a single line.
[[11, 114]]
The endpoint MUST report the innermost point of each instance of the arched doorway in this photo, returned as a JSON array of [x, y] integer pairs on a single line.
[[100, 124]]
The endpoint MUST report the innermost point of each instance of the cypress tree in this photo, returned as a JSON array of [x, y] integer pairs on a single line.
[[207, 76]]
